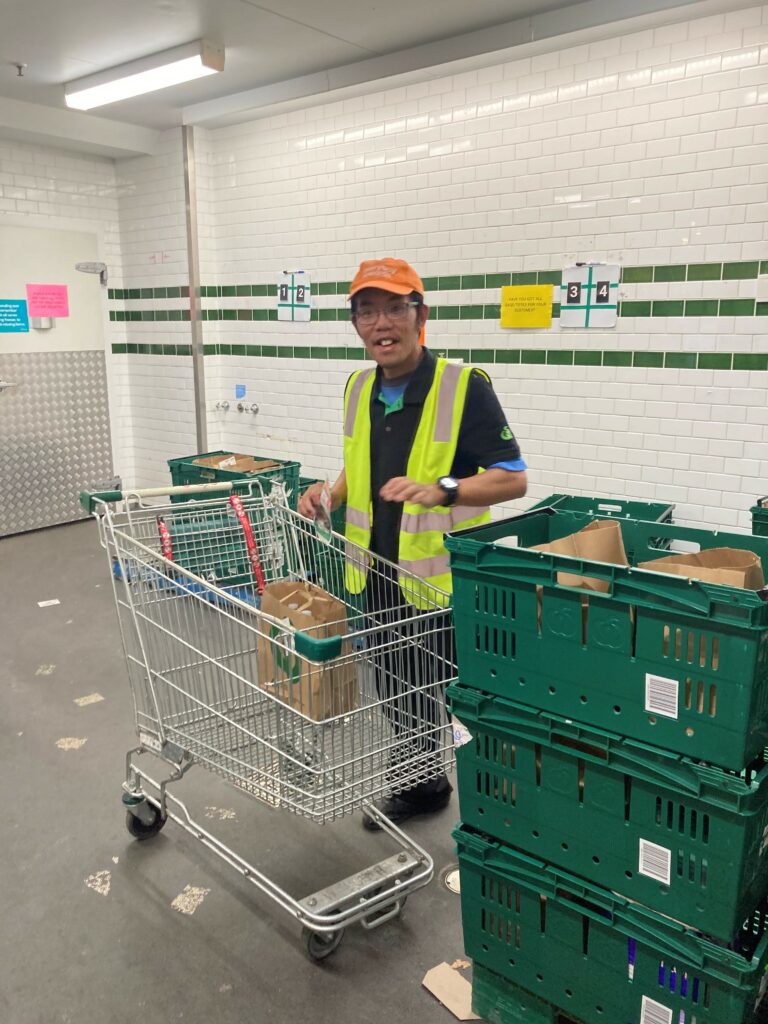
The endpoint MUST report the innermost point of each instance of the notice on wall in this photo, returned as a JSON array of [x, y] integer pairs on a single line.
[[14, 317], [294, 295], [589, 295], [526, 305], [48, 300]]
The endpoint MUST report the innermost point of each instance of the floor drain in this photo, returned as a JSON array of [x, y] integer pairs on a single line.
[[450, 878]]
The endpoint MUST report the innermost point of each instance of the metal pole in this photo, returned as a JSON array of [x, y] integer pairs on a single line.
[[193, 262]]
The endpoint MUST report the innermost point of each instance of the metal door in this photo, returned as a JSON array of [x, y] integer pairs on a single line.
[[54, 436]]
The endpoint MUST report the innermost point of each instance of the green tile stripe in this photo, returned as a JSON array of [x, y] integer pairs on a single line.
[[739, 271], [549, 357], [474, 311], [131, 348]]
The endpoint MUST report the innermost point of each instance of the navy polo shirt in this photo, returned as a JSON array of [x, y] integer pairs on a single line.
[[485, 440]]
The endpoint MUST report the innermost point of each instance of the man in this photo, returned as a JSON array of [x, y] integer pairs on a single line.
[[417, 432]]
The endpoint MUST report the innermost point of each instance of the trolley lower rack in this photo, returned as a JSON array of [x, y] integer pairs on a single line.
[[370, 897]]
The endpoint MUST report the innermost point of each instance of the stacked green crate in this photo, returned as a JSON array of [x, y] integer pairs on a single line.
[[591, 717], [609, 508], [760, 518], [186, 471], [596, 955]]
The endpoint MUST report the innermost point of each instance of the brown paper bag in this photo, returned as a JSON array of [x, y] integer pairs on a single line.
[[601, 541], [730, 566], [318, 691]]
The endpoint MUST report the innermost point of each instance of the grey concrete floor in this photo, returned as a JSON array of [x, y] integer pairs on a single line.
[[73, 955]]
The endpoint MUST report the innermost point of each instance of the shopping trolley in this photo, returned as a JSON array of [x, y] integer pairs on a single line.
[[317, 721]]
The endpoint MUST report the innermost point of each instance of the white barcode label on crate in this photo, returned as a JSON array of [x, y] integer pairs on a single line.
[[661, 695], [654, 1013], [655, 861]]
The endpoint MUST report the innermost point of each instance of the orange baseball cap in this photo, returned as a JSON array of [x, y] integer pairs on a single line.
[[389, 274]]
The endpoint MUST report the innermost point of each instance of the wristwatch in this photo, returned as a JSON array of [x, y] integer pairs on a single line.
[[450, 488]]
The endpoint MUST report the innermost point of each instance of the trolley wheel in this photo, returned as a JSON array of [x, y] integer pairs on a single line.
[[318, 945], [139, 830]]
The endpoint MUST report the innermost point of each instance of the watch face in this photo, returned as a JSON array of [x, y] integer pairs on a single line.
[[451, 488]]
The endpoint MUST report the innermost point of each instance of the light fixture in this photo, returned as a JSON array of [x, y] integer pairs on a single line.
[[171, 67]]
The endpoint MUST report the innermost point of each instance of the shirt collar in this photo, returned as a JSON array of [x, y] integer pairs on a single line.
[[419, 384]]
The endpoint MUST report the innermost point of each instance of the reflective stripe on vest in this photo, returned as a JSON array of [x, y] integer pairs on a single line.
[[352, 399], [445, 521], [421, 545]]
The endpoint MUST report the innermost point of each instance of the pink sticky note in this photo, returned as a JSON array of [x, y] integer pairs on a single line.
[[48, 300]]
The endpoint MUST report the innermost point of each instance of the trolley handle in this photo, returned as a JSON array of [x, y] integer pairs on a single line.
[[89, 500]]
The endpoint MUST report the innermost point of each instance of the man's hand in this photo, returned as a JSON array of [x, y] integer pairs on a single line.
[[309, 502], [400, 488]]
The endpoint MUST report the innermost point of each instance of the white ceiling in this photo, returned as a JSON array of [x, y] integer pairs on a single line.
[[273, 50], [265, 42]]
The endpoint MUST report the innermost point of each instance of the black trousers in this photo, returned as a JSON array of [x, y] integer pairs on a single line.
[[412, 656]]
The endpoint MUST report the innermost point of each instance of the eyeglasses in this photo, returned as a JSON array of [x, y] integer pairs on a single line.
[[393, 311]]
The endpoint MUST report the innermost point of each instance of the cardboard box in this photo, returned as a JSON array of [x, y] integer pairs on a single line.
[[730, 566], [319, 691], [601, 541], [244, 464], [451, 989]]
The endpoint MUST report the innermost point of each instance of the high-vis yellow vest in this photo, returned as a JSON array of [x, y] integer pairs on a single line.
[[422, 550]]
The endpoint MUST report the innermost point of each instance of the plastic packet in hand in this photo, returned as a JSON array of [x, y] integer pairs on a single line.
[[323, 514]]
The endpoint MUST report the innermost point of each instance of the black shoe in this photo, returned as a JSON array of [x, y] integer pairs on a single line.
[[398, 809]]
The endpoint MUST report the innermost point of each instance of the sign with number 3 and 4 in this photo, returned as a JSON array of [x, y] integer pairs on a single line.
[[589, 295]]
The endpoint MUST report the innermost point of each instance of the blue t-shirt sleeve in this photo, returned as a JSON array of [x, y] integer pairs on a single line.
[[514, 466]]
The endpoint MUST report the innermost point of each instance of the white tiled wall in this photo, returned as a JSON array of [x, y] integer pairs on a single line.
[[649, 148]]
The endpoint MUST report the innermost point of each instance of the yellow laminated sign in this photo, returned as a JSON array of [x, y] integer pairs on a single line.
[[526, 305]]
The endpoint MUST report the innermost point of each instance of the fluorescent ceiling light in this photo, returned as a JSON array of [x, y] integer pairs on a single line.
[[171, 67]]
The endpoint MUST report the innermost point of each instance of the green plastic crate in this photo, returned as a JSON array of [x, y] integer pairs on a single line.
[[212, 547], [185, 472], [597, 956], [498, 1001], [760, 518], [609, 508], [210, 543], [672, 662], [682, 838]]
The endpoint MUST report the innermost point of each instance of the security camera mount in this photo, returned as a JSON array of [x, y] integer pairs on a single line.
[[93, 268]]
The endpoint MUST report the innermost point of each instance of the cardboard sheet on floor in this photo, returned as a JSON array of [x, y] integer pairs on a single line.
[[452, 990]]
